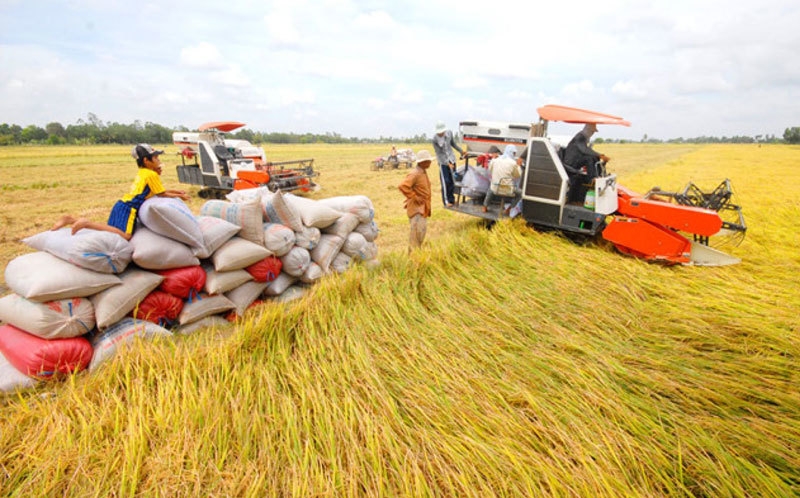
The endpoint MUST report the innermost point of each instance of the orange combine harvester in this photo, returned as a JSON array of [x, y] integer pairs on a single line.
[[659, 226], [221, 165]]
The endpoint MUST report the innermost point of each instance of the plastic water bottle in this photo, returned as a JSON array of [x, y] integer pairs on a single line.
[[588, 201]]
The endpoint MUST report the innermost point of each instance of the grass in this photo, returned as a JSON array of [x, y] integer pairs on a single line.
[[490, 363]]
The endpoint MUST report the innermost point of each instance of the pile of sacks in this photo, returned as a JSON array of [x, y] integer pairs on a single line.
[[78, 298]]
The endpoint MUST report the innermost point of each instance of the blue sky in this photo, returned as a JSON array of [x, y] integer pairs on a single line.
[[393, 68]]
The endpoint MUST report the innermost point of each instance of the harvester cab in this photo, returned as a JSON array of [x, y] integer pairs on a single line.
[[645, 226], [221, 165]]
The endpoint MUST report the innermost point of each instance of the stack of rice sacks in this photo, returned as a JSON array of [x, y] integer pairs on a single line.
[[78, 298]]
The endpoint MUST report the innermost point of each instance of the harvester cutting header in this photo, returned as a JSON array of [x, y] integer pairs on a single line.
[[221, 165], [661, 226]]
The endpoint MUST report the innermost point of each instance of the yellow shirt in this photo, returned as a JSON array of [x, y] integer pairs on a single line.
[[146, 185]]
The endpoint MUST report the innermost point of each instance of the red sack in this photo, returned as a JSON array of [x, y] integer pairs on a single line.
[[159, 307], [265, 270], [44, 358], [183, 282]]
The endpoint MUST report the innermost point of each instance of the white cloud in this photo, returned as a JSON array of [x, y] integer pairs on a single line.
[[579, 89], [281, 27], [203, 55]]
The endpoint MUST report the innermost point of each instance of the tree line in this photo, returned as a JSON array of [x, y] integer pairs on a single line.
[[94, 131]]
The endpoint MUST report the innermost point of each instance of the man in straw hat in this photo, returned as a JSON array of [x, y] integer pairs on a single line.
[[416, 187]]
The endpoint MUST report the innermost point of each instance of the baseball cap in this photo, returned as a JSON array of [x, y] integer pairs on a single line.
[[494, 150], [141, 151]]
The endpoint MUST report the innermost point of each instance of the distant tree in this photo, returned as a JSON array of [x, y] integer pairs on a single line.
[[792, 135], [33, 133], [56, 129]]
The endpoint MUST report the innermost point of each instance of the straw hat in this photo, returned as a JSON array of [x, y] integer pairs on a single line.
[[423, 156]]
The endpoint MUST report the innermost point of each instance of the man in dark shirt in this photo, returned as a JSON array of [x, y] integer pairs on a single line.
[[580, 159]]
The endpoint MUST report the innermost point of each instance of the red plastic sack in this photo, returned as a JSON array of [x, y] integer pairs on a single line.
[[44, 358], [183, 282], [265, 270], [159, 307]]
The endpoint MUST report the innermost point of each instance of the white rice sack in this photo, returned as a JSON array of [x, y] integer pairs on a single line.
[[246, 215], [213, 321], [290, 294], [218, 282], [279, 285], [156, 252], [370, 251], [323, 254], [368, 230], [359, 205], [245, 295], [312, 274], [355, 246], [307, 238], [238, 253], [95, 250], [296, 261], [112, 304], [343, 226], [248, 194], [340, 263], [42, 277], [107, 342], [204, 306], [51, 320], [312, 212], [275, 209], [216, 232], [172, 218], [12, 379], [278, 238]]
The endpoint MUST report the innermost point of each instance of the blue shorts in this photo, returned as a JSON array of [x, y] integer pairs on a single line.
[[123, 217]]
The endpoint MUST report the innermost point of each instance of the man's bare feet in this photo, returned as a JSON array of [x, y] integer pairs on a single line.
[[63, 221], [79, 224]]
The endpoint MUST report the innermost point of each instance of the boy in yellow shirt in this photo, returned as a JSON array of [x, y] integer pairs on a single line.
[[123, 215]]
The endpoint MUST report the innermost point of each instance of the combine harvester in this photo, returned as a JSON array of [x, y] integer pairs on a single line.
[[221, 165], [659, 226]]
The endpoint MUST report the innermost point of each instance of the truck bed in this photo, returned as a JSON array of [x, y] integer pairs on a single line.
[[474, 207]]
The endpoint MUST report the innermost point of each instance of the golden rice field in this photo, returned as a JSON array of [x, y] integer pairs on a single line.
[[501, 362]]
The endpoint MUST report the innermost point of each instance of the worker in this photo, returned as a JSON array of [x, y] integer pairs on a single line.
[[484, 159], [580, 161], [124, 213], [416, 187], [504, 171], [443, 145]]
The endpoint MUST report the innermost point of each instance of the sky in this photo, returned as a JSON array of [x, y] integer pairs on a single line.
[[373, 68]]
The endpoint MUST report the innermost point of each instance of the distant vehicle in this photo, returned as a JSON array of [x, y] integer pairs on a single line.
[[221, 165], [645, 226], [405, 158]]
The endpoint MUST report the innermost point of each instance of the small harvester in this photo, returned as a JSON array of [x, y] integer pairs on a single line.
[[682, 227], [221, 165]]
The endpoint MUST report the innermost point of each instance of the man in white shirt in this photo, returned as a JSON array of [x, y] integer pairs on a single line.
[[504, 171]]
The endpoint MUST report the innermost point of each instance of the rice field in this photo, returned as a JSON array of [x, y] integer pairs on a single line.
[[502, 362]]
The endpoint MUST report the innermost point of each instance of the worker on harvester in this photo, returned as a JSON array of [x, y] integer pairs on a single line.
[[580, 161]]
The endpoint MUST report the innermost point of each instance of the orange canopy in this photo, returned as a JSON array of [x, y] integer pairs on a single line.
[[575, 115], [223, 126]]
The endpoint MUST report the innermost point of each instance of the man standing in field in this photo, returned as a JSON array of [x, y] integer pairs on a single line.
[[443, 145], [416, 188], [123, 215]]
